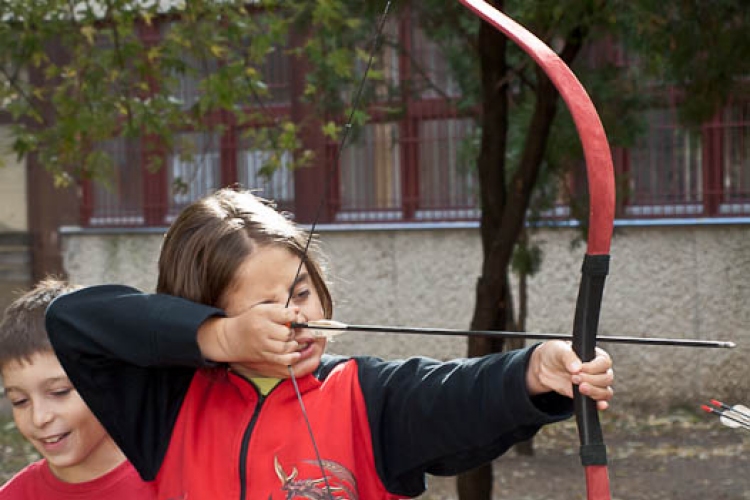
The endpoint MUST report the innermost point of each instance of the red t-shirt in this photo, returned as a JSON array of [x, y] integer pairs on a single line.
[[36, 482]]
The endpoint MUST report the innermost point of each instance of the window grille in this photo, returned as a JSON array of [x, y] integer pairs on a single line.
[[448, 187], [370, 175], [193, 170], [664, 177], [414, 161], [278, 186], [735, 159], [116, 198]]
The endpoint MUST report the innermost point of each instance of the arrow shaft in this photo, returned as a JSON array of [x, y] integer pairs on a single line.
[[525, 335]]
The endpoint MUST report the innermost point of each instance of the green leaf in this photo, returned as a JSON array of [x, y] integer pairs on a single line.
[[331, 130]]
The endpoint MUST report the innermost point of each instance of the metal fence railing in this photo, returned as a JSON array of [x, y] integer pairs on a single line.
[[417, 165]]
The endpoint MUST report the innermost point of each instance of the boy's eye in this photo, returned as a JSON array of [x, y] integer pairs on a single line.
[[61, 392], [18, 403]]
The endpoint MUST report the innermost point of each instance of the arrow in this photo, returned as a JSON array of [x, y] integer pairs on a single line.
[[733, 414], [734, 417], [328, 329]]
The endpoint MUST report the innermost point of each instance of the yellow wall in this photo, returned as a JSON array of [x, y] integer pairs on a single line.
[[13, 215]]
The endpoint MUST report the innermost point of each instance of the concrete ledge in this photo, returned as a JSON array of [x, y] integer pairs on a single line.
[[15, 239]]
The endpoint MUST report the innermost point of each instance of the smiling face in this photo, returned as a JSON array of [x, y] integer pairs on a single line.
[[49, 413], [267, 276]]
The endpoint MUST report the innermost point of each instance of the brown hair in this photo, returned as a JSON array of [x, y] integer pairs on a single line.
[[213, 236], [22, 333]]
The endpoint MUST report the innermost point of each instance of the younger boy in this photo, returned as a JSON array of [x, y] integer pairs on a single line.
[[80, 459]]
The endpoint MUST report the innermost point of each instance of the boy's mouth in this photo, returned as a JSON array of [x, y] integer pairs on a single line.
[[303, 345], [54, 439]]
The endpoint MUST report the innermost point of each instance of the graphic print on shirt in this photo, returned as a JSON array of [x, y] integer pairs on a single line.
[[343, 485]]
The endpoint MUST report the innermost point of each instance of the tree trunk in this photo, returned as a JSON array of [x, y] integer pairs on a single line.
[[525, 448], [503, 209], [489, 312]]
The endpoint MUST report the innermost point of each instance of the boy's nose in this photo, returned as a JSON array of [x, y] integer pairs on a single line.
[[41, 415], [302, 317]]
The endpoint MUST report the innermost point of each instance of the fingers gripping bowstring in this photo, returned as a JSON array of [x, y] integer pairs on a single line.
[[374, 43]]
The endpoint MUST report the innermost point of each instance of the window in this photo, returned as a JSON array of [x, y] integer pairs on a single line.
[[735, 159], [665, 169], [415, 159], [278, 186], [430, 72], [117, 198], [193, 169], [370, 175], [704, 171], [200, 161], [448, 187]]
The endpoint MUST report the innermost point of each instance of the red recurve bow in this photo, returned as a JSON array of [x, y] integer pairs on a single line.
[[601, 220]]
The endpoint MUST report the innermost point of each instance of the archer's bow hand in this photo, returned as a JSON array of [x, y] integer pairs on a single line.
[[555, 367]]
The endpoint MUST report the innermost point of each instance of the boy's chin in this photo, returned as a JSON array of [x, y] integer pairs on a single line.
[[307, 365], [301, 368]]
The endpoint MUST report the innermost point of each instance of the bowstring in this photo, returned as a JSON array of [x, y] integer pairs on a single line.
[[326, 188]]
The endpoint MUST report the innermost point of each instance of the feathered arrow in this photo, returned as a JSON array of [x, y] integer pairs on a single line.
[[737, 416], [328, 329]]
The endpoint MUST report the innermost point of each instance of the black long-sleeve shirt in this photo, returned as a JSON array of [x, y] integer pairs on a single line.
[[134, 359]]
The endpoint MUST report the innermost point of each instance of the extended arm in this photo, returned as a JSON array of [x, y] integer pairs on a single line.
[[132, 357], [445, 418]]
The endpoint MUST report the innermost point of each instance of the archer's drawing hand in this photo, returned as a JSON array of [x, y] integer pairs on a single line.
[[555, 367], [258, 340]]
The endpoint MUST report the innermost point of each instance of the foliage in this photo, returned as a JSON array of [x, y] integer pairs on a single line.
[[15, 451], [77, 74], [74, 75], [699, 48]]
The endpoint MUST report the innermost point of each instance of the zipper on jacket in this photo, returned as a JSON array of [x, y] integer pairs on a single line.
[[248, 433], [246, 444]]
